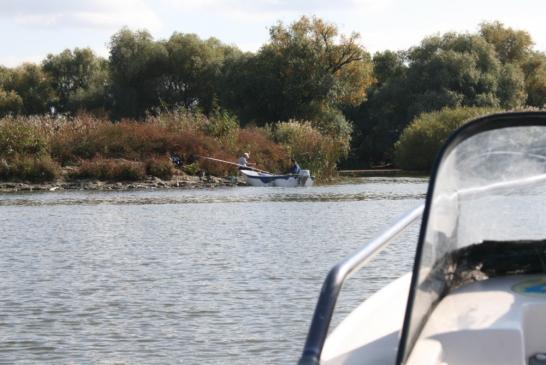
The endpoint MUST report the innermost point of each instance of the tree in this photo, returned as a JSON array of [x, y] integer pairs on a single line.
[[452, 70], [534, 69], [380, 119], [33, 87], [305, 69], [10, 101], [136, 67], [194, 67], [512, 46], [421, 141], [78, 77]]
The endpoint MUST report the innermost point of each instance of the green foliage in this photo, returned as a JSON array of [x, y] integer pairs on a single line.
[[511, 92], [79, 79], [452, 70], [181, 71], [32, 85], [193, 67], [456, 70], [221, 124], [388, 65], [196, 91], [313, 150], [534, 69], [10, 103], [21, 137], [136, 63], [422, 139], [303, 66], [512, 46], [192, 169], [179, 119]]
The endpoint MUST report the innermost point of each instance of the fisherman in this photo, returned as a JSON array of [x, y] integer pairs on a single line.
[[294, 167], [243, 161]]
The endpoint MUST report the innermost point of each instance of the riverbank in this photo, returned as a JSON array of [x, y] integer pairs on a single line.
[[177, 181], [380, 172]]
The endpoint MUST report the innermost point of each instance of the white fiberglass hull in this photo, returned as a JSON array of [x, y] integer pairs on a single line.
[[496, 321], [369, 335], [260, 179]]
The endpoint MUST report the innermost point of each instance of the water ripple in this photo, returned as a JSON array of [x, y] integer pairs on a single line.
[[224, 276], [116, 200]]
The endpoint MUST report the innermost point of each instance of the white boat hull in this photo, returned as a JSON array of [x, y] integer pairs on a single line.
[[260, 179], [370, 334]]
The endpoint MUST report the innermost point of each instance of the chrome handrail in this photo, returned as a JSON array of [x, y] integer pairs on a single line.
[[334, 281]]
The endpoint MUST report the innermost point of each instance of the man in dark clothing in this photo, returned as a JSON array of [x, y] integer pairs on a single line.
[[295, 168]]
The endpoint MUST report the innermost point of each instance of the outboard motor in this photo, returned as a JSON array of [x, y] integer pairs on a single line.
[[303, 176]]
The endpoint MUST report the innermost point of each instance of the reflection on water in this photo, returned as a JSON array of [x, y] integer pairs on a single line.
[[224, 276]]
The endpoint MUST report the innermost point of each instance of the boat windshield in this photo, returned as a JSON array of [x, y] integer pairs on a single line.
[[485, 213]]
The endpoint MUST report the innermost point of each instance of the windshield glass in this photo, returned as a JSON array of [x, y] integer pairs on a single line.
[[486, 216]]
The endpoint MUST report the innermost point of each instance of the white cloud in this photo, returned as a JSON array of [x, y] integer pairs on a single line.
[[95, 14]]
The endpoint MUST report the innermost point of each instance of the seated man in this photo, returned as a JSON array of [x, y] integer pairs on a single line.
[[295, 168], [243, 161]]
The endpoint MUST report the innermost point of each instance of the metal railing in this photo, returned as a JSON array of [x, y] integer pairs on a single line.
[[334, 281]]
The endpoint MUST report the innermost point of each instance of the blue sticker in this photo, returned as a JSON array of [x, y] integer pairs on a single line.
[[535, 287]]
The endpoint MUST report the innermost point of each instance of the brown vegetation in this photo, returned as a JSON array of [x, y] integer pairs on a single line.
[[38, 149]]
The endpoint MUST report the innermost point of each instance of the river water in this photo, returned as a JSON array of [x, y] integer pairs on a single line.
[[222, 276]]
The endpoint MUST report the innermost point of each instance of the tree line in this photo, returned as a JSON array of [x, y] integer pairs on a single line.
[[306, 71]]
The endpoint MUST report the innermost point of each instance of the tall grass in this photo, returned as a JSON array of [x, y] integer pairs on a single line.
[[314, 150], [33, 169], [110, 170]]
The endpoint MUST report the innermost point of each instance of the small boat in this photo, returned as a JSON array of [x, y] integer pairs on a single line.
[[256, 178], [477, 293]]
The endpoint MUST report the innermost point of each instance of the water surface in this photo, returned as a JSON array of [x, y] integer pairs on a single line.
[[222, 276]]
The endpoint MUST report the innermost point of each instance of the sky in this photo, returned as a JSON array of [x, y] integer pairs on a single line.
[[32, 29]]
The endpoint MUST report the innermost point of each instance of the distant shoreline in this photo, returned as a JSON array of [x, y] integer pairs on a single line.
[[177, 182], [382, 173]]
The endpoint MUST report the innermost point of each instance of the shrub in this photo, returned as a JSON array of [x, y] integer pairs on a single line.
[[421, 140], [313, 150], [88, 138], [27, 168], [192, 169], [179, 119], [75, 139], [108, 169], [221, 124], [267, 154], [224, 127], [161, 168], [10, 102], [22, 136]]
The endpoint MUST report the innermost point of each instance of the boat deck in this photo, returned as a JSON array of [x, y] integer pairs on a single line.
[[500, 321]]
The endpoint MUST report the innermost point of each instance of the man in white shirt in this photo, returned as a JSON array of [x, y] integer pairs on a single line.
[[243, 161]]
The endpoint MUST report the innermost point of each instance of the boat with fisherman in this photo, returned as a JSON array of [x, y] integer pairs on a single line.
[[262, 178], [477, 292]]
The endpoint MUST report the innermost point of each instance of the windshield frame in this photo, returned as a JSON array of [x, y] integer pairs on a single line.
[[470, 129]]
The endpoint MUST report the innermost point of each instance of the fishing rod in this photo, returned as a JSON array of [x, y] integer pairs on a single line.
[[233, 163]]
